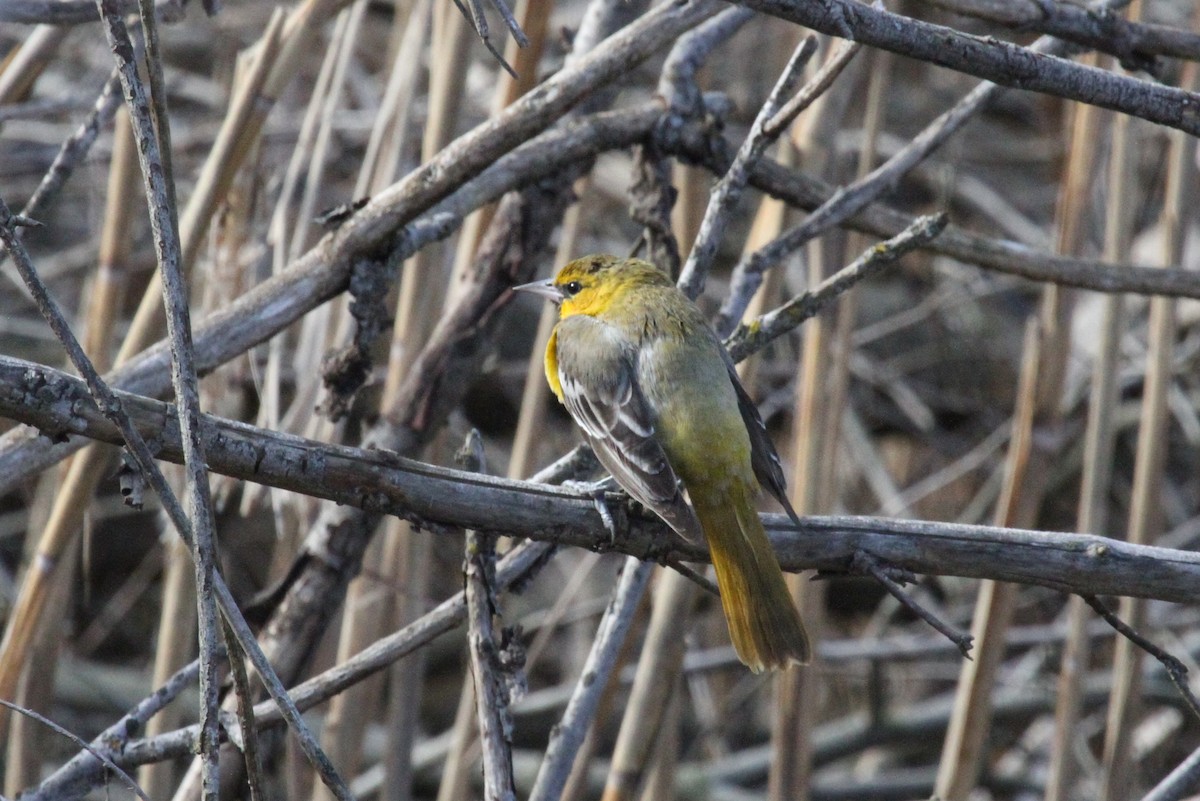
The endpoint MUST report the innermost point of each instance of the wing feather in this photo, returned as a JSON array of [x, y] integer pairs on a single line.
[[763, 457], [598, 374]]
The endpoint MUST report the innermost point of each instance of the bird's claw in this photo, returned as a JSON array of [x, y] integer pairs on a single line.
[[597, 491]]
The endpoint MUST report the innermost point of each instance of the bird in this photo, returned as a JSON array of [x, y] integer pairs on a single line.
[[655, 393]]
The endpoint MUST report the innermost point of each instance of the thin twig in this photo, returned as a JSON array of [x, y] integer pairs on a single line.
[[478, 21], [753, 337], [151, 139], [568, 735], [815, 87], [491, 688], [1135, 43], [989, 58], [729, 189], [1176, 670], [867, 563], [108, 763], [111, 408], [245, 713], [1180, 783], [73, 151], [850, 199], [678, 82], [88, 767]]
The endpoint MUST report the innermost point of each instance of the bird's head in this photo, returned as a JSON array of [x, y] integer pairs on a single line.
[[591, 284]]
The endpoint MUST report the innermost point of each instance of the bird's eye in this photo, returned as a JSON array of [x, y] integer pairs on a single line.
[[573, 287]]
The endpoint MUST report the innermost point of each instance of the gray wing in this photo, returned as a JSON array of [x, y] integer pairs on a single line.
[[598, 372], [763, 456]]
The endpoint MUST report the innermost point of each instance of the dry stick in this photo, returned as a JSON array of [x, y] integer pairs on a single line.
[[25, 64], [568, 735], [364, 610], [36, 689], [176, 638], [869, 564], [807, 192], [1068, 562], [534, 16], [795, 709], [1176, 671], [422, 293], [817, 86], [325, 108], [491, 690], [41, 396], [111, 407], [158, 101], [71, 154], [752, 337], [1100, 434], [662, 656], [81, 771], [151, 140], [991, 59], [108, 763], [479, 20], [243, 692], [962, 752], [389, 133], [75, 12], [849, 200], [728, 191], [1145, 509], [1135, 43], [1180, 783], [104, 300]]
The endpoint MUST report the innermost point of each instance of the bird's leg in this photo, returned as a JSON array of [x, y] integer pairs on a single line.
[[597, 491]]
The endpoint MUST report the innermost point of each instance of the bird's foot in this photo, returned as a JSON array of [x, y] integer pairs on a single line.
[[597, 490]]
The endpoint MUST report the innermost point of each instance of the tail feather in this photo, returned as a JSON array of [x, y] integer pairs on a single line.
[[765, 627]]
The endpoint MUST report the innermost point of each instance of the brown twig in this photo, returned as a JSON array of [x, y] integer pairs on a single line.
[[867, 563], [728, 191], [1176, 671], [492, 669], [569, 734]]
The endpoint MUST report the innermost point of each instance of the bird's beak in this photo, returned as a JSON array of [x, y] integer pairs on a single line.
[[546, 289]]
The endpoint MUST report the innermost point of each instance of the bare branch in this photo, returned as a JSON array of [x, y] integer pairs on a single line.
[[438, 497], [991, 59], [728, 191]]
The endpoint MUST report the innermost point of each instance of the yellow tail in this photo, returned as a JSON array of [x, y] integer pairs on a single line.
[[763, 622]]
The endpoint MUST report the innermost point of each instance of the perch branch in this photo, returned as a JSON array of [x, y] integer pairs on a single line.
[[439, 497]]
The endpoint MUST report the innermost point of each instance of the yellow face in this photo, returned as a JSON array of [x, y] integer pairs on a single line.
[[592, 284]]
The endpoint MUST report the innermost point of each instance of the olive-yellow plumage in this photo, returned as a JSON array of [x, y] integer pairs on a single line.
[[654, 391]]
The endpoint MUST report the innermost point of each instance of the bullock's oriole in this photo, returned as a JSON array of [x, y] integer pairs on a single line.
[[656, 395]]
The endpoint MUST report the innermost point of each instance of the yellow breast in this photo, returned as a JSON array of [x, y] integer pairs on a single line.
[[552, 365]]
